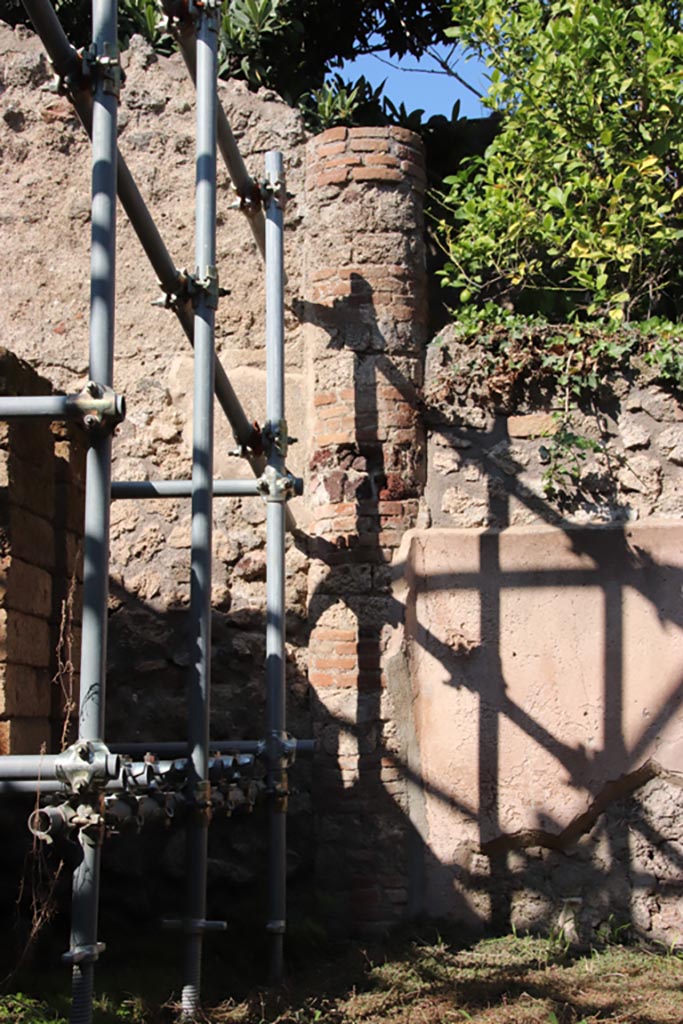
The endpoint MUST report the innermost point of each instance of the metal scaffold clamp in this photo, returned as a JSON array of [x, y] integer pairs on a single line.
[[204, 283], [84, 954], [202, 802], [87, 765], [276, 437], [103, 67], [273, 190], [98, 408], [276, 486]]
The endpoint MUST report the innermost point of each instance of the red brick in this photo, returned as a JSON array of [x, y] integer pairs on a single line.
[[345, 646], [405, 135], [326, 292], [382, 160], [348, 160], [330, 149], [339, 509], [328, 398], [330, 135], [417, 177], [390, 540], [335, 177], [361, 145], [338, 437], [343, 680], [366, 897], [334, 633], [332, 663], [390, 508], [328, 412], [380, 174], [369, 133], [411, 154]]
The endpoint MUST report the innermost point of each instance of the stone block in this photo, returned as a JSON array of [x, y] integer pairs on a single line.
[[31, 538], [25, 691], [26, 588], [25, 736], [24, 639]]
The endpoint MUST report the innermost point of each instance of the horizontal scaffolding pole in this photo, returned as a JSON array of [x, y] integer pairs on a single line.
[[28, 766], [9, 786], [172, 748], [182, 489], [52, 407]]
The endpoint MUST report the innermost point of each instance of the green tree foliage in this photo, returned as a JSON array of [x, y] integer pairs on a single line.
[[290, 46], [575, 209]]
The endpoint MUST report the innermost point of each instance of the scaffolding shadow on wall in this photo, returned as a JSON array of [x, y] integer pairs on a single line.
[[83, 785]]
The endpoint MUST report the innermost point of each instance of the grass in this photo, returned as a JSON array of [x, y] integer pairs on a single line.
[[510, 980]]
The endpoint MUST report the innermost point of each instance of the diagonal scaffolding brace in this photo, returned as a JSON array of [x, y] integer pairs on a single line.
[[98, 784]]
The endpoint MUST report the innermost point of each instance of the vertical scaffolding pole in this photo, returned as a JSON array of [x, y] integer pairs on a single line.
[[199, 684], [84, 947], [276, 434]]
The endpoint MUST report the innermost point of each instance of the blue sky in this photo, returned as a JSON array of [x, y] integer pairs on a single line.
[[414, 82]]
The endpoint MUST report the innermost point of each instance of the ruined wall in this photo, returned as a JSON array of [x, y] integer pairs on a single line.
[[44, 224], [539, 663], [489, 467], [393, 637], [41, 514]]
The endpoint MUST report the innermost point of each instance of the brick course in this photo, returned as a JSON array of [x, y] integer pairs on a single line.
[[365, 334]]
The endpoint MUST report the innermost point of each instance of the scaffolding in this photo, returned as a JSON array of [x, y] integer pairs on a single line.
[[92, 785]]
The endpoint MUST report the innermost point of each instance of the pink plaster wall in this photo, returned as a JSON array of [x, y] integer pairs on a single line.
[[545, 672]]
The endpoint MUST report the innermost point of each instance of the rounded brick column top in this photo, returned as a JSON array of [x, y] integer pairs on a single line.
[[379, 156]]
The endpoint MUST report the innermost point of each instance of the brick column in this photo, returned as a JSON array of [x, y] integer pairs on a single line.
[[366, 325], [41, 521]]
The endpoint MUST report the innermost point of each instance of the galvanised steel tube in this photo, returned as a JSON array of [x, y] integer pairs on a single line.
[[181, 488], [84, 916], [28, 766], [68, 65], [276, 431], [199, 684], [55, 407], [171, 749], [35, 786], [245, 186]]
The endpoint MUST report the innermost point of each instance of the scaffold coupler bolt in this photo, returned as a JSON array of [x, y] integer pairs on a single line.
[[97, 408]]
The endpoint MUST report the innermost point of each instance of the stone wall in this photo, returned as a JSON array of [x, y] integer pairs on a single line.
[[41, 524], [538, 662], [491, 468], [377, 829]]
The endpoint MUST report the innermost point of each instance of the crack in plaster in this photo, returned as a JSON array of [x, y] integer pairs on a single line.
[[614, 790]]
